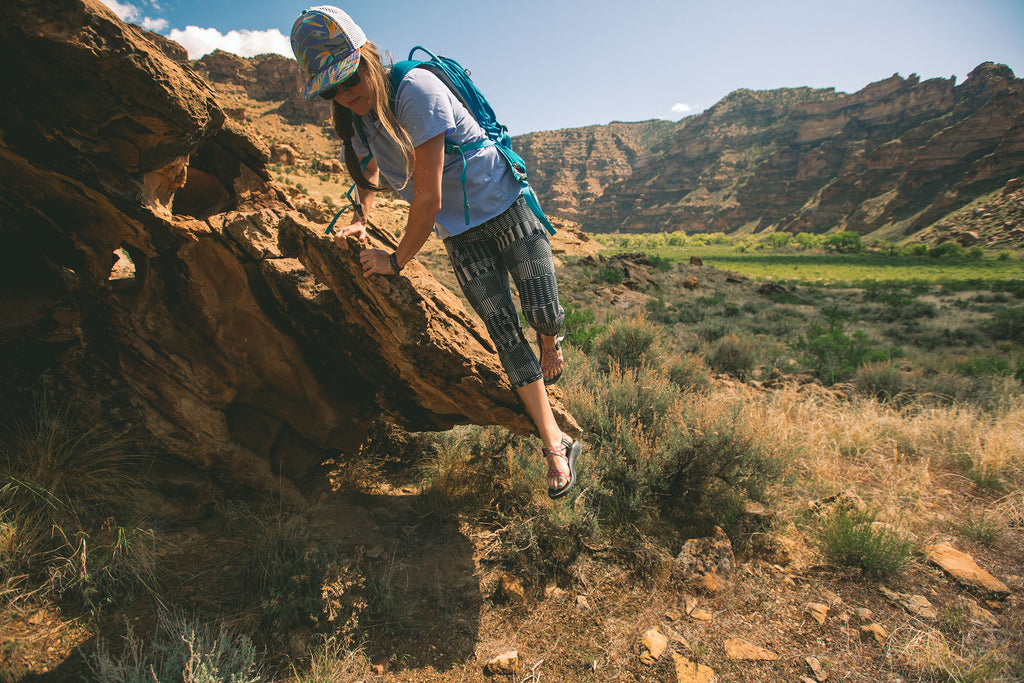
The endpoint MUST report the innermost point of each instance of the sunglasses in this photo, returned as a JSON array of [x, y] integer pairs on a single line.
[[350, 82]]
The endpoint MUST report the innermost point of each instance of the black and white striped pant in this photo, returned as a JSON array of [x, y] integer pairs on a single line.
[[515, 243]]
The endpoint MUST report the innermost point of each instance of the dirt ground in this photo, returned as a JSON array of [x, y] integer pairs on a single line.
[[451, 613]]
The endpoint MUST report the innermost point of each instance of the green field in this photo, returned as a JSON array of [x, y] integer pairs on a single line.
[[842, 259], [852, 269]]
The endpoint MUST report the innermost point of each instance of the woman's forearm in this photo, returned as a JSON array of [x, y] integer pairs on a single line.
[[422, 214], [426, 198], [366, 197]]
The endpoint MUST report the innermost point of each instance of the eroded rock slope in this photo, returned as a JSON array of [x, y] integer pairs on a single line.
[[153, 274]]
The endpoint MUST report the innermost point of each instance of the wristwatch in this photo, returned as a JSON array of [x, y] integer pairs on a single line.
[[393, 260]]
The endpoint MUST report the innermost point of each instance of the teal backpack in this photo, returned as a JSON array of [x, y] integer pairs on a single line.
[[458, 80]]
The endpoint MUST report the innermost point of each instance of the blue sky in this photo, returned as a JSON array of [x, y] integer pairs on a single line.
[[549, 64]]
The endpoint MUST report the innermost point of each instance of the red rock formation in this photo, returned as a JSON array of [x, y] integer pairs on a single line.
[[899, 151], [572, 167], [245, 342], [268, 77]]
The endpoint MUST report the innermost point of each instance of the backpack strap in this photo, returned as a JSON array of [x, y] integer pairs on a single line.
[[452, 74], [351, 196]]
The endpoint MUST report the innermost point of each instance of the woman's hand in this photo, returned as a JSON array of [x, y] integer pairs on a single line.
[[356, 231], [375, 261]]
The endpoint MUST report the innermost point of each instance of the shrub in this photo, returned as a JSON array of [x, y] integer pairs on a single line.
[[295, 577], [331, 661], [880, 379], [887, 294], [1006, 323], [713, 330], [660, 263], [474, 468], [947, 250], [808, 240], [689, 372], [488, 473], [984, 528], [852, 538], [714, 464], [181, 651], [734, 355], [843, 242], [986, 366], [832, 354], [654, 453], [581, 328], [611, 275], [628, 342]]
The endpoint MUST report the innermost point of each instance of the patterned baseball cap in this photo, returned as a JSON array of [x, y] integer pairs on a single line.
[[326, 43]]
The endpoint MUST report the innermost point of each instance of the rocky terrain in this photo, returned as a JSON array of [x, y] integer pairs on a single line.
[[153, 271]]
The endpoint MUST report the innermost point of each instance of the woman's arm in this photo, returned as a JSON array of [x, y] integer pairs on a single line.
[[357, 228], [423, 210]]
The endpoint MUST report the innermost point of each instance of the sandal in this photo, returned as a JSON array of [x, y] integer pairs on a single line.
[[570, 450], [550, 359]]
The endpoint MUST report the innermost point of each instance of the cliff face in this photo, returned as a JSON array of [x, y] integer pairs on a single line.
[[570, 168], [265, 78], [899, 152], [153, 274]]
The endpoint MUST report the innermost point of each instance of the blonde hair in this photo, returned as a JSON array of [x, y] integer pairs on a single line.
[[372, 70]]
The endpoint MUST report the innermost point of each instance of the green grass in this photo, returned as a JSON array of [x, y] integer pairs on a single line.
[[849, 269], [67, 488], [851, 538]]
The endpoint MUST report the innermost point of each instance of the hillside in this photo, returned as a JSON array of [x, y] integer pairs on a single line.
[[897, 158], [899, 155], [572, 167]]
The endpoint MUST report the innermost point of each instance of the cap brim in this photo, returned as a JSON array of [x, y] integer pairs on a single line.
[[332, 75]]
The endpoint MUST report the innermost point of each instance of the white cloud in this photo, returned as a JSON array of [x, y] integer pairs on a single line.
[[680, 108], [201, 41], [158, 25], [128, 12], [124, 11]]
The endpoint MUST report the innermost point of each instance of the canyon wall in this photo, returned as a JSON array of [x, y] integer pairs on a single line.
[[900, 152]]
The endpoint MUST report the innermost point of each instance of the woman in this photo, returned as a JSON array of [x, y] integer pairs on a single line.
[[487, 228]]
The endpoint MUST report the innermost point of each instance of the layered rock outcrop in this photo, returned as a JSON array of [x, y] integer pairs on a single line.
[[899, 154], [265, 78], [572, 167], [152, 274]]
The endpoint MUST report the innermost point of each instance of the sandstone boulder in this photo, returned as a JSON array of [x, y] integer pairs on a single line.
[[284, 154], [964, 569], [246, 345], [738, 648], [705, 563]]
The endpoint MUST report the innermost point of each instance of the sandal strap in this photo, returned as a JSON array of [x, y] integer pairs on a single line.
[[555, 451], [562, 451], [553, 355]]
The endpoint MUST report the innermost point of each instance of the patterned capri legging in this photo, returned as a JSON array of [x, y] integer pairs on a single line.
[[514, 242]]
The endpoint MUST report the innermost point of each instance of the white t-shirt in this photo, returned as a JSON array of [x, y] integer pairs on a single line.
[[426, 107]]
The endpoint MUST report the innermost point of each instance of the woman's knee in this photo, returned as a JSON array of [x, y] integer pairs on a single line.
[[548, 321]]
